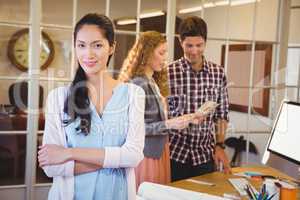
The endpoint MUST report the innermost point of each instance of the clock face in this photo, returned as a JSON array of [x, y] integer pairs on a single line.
[[18, 50]]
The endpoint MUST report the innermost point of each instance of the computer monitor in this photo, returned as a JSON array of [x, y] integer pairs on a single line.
[[284, 142]]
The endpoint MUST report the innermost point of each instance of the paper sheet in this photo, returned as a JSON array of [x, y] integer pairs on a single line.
[[152, 191]]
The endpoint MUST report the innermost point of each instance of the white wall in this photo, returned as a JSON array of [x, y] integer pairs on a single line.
[[294, 32]]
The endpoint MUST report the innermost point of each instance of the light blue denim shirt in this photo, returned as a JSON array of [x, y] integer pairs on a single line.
[[108, 129]]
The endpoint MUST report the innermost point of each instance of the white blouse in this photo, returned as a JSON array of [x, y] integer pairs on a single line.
[[127, 156]]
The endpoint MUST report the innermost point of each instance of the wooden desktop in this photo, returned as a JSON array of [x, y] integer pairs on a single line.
[[222, 184]]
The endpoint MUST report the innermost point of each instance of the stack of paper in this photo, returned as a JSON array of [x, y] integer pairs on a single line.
[[152, 191]]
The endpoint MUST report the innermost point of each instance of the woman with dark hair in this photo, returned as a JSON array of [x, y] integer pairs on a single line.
[[94, 131], [145, 67]]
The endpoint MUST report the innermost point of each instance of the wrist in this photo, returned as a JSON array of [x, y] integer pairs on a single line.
[[167, 123], [69, 153], [170, 123], [220, 145]]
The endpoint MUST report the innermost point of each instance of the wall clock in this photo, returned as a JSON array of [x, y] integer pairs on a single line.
[[18, 50]]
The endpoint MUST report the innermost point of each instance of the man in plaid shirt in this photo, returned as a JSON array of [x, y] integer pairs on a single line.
[[192, 81]]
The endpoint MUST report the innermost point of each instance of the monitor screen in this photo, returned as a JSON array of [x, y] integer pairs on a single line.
[[285, 138]]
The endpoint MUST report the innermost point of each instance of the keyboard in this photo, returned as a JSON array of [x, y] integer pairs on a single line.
[[240, 184]]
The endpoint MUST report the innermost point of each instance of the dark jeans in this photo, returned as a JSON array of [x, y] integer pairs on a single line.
[[181, 171]]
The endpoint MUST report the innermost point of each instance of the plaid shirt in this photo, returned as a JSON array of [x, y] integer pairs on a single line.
[[188, 91]]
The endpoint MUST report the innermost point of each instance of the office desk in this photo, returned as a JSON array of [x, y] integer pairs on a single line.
[[222, 184]]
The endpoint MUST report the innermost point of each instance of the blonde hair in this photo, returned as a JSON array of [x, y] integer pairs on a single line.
[[138, 58]]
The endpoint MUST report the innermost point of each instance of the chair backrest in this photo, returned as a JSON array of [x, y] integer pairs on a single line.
[[18, 95]]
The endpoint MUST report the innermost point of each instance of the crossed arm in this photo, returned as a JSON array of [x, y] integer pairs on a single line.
[[58, 160], [86, 160]]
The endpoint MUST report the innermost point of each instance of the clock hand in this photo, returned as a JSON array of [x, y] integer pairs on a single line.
[[45, 47]]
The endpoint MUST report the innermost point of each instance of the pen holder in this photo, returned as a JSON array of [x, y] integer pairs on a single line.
[[288, 192], [271, 188]]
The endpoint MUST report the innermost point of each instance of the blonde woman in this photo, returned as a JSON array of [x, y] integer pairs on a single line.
[[144, 66]]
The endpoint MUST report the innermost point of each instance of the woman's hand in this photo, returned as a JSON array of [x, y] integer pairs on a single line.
[[198, 118], [184, 120], [52, 154]]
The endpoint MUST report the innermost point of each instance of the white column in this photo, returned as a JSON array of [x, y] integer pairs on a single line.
[[250, 97], [74, 20], [170, 28], [281, 52], [33, 97], [107, 7], [138, 19]]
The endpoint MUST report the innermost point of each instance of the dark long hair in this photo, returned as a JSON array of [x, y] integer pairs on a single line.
[[77, 103]]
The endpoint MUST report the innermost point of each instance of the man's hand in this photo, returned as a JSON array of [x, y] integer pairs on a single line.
[[221, 157]]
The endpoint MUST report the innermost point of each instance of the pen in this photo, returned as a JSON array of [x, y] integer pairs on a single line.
[[259, 197], [231, 196], [264, 196], [201, 182], [271, 196], [264, 189], [248, 192], [252, 192]]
